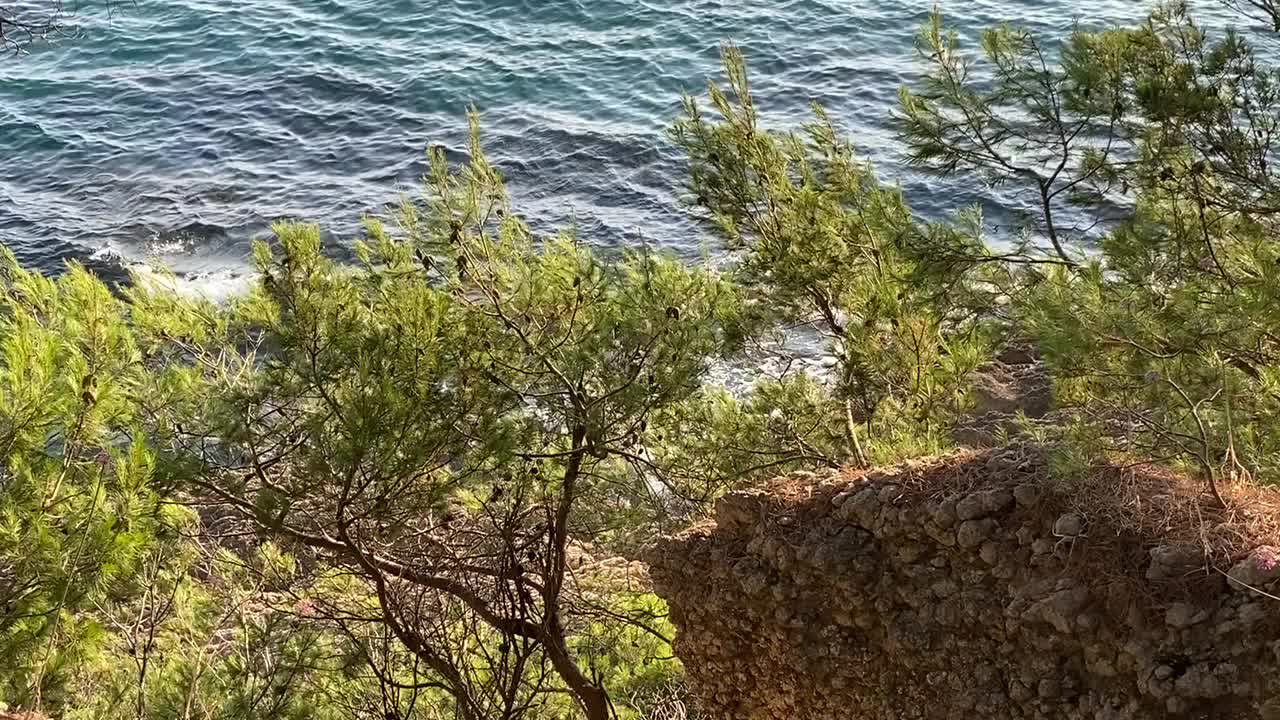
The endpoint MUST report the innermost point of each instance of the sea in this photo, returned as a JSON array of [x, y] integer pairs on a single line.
[[176, 131]]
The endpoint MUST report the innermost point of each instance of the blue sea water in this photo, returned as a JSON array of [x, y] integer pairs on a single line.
[[179, 129]]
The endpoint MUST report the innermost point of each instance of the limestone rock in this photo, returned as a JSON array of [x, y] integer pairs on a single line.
[[1257, 571], [983, 504], [972, 533], [1068, 525], [1027, 495], [888, 597], [1171, 561], [739, 509], [1181, 615]]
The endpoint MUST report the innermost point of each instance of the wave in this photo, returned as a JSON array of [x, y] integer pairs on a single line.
[[179, 131]]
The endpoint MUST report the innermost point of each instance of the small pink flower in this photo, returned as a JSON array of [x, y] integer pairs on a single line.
[[1266, 559], [304, 608]]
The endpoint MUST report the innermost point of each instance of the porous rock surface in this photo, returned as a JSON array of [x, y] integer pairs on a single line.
[[970, 586]]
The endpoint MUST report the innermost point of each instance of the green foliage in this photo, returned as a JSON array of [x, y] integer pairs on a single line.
[[416, 474], [1167, 341], [468, 391], [1019, 117], [77, 512], [634, 659], [904, 305], [207, 637]]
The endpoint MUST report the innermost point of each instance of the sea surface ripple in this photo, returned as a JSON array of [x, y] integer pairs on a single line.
[[179, 130]]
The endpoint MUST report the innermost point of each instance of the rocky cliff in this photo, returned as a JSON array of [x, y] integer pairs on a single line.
[[979, 585]]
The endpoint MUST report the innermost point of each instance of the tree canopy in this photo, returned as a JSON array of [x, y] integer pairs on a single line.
[[414, 485]]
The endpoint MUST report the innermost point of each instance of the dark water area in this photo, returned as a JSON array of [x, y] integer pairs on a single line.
[[177, 131]]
